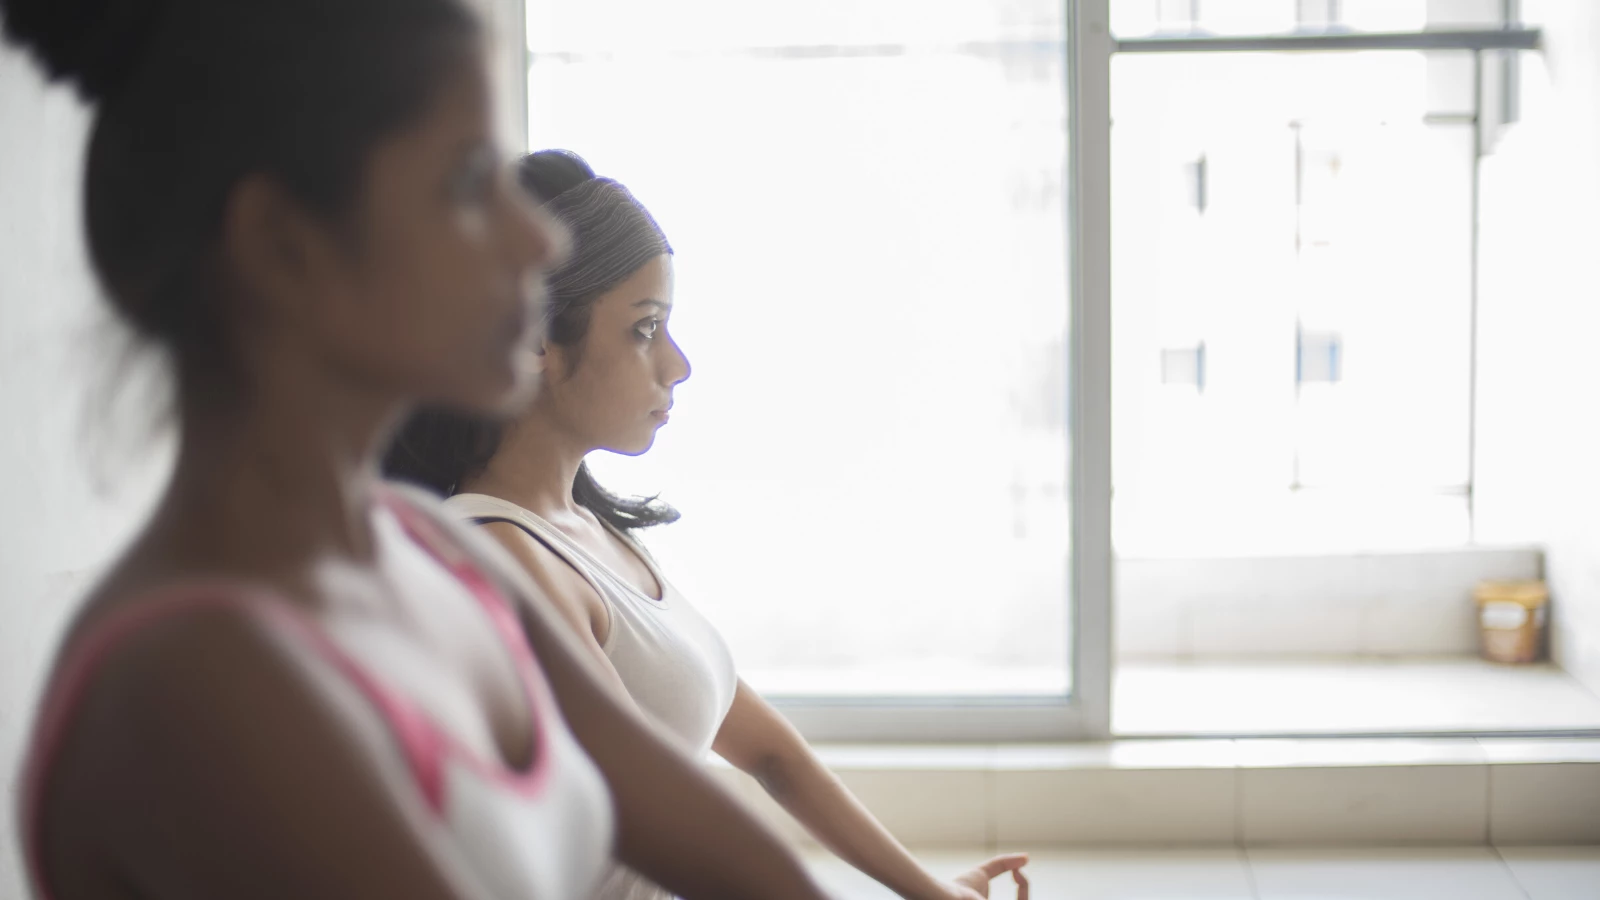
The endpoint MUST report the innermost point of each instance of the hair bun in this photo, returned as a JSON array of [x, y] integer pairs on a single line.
[[93, 44], [548, 173]]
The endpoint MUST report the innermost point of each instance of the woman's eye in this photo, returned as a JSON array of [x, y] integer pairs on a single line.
[[647, 328]]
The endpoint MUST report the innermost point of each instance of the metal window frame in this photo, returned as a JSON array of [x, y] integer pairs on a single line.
[[1512, 38], [1084, 714]]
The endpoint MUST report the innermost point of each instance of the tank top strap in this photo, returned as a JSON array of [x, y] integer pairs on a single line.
[[483, 509]]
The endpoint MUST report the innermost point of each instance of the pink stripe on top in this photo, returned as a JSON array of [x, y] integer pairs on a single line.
[[454, 558]]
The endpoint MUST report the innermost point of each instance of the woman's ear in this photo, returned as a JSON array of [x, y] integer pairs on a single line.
[[538, 357], [277, 250], [555, 361]]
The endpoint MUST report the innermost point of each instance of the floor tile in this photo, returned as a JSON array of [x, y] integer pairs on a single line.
[[1555, 873], [1382, 874], [1220, 874]]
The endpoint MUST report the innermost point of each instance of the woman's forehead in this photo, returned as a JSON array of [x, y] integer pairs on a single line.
[[649, 289]]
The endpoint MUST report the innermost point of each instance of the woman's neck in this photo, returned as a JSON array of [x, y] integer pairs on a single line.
[[284, 482], [534, 467]]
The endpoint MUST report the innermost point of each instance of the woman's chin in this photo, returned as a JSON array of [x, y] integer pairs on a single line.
[[638, 447]]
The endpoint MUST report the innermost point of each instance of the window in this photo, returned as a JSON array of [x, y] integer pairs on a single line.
[[1308, 219], [894, 278], [867, 202]]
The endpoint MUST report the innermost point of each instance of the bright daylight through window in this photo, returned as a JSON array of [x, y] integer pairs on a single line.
[[867, 202], [1292, 279]]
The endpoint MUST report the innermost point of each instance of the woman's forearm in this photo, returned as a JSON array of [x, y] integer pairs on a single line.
[[817, 799], [757, 738], [675, 824]]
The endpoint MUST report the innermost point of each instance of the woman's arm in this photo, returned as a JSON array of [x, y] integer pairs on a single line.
[[758, 740], [676, 825]]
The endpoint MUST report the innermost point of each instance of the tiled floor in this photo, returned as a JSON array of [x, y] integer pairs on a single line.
[[1346, 697], [1468, 873]]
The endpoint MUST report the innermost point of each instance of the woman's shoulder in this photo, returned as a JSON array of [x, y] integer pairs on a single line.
[[142, 677], [142, 642], [202, 701]]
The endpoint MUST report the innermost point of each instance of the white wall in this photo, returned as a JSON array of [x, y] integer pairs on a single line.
[[56, 345], [1539, 447]]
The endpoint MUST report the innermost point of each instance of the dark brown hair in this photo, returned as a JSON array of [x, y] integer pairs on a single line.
[[192, 96]]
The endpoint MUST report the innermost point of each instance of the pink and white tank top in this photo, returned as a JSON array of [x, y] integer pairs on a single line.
[[542, 833]]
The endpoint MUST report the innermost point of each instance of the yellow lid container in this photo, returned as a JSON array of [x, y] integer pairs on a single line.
[[1511, 620]]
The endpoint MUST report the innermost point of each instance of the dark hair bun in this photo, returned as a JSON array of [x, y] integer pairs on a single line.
[[93, 44], [550, 172]]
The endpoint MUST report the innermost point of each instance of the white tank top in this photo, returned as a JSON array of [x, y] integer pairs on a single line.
[[673, 662]]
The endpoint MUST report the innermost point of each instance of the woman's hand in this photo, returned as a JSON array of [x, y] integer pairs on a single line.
[[974, 883]]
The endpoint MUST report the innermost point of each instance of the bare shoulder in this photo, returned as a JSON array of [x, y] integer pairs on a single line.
[[213, 753]]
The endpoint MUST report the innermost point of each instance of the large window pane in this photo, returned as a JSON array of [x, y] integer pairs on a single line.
[[866, 200], [1301, 227]]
